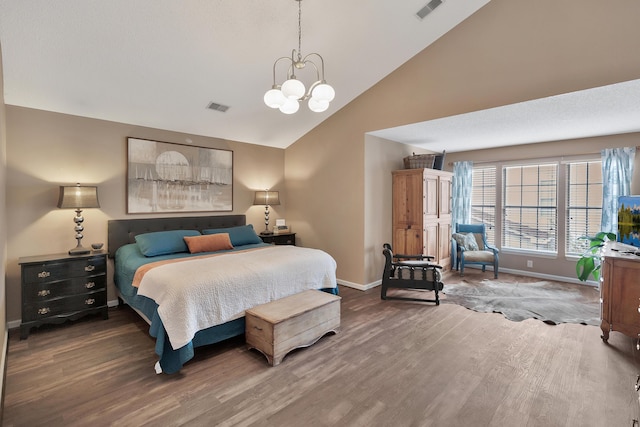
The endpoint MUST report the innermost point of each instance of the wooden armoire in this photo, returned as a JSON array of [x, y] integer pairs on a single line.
[[422, 213]]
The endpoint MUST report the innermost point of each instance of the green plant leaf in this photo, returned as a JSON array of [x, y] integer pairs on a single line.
[[589, 262], [584, 267]]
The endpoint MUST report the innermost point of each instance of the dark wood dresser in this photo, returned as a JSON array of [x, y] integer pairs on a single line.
[[61, 287]]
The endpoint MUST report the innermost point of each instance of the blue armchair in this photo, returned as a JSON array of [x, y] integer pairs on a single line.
[[469, 246]]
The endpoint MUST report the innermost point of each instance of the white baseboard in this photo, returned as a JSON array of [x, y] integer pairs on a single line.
[[12, 324], [534, 274], [501, 270], [3, 366]]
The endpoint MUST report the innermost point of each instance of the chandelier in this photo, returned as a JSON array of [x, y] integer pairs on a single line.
[[287, 97]]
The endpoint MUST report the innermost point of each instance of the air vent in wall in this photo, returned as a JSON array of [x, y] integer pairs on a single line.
[[218, 107], [428, 8]]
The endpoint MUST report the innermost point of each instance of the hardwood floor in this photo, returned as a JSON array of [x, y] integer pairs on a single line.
[[394, 363]]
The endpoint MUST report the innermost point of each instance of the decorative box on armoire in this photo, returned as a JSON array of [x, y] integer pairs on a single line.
[[61, 287], [422, 213]]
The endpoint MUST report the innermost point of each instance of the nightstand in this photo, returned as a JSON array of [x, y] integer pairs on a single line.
[[61, 287], [279, 239]]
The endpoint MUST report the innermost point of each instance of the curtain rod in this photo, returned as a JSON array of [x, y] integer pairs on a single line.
[[562, 158]]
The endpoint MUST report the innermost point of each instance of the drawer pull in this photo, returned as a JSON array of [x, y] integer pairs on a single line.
[[90, 268], [44, 292], [90, 285], [89, 301], [44, 274], [258, 328], [44, 310]]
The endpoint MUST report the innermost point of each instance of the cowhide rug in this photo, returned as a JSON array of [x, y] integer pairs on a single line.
[[518, 298]]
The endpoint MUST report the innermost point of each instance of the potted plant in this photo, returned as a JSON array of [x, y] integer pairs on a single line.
[[589, 262]]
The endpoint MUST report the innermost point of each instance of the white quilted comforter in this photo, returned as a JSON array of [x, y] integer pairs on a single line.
[[196, 294]]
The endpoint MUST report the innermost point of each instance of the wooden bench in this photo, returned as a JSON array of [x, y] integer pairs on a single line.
[[277, 327]]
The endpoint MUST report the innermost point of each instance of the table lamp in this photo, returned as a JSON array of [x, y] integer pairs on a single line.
[[266, 198], [78, 197]]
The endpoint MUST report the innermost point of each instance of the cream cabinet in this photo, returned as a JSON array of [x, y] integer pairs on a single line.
[[422, 213]]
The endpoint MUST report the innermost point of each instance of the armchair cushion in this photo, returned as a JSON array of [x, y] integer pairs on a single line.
[[479, 256]]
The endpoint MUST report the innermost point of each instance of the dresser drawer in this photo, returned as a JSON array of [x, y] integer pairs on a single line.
[[33, 292], [52, 271], [57, 306]]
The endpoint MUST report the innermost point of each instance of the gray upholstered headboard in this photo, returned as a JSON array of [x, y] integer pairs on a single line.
[[123, 231]]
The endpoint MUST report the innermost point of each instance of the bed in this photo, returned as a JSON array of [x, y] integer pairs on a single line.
[[191, 278]]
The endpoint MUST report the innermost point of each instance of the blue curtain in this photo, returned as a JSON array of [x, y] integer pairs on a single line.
[[461, 197], [617, 170]]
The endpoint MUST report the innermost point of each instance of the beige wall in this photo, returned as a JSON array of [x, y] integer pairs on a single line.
[[509, 51], [3, 231], [381, 157], [46, 150]]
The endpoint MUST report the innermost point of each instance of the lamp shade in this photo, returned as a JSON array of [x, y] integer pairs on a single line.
[[267, 198], [78, 197]]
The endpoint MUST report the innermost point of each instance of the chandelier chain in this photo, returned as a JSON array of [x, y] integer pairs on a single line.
[[299, 28]]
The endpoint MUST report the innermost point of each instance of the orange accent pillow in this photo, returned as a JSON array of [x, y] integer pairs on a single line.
[[208, 243]]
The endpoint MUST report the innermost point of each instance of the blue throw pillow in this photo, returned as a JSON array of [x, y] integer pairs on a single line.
[[240, 235], [164, 242]]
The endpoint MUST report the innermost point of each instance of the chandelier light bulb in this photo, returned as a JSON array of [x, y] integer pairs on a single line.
[[293, 89], [318, 106], [274, 98], [290, 106], [323, 92]]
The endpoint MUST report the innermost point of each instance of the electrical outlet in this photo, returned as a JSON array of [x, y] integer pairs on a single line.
[[529, 263]]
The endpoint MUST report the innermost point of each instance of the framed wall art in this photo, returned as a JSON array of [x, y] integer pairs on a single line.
[[164, 177], [629, 220]]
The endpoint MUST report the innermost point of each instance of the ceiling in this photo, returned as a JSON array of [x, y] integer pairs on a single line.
[[605, 110], [160, 63]]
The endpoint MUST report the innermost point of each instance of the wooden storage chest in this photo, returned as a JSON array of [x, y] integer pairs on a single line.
[[277, 327]]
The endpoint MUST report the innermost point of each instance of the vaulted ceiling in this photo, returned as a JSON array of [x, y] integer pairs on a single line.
[[160, 63]]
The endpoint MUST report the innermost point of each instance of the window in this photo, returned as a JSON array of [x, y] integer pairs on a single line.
[[584, 204], [483, 200], [529, 220]]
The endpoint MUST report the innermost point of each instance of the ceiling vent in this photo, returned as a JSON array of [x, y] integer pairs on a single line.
[[428, 8], [218, 107]]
